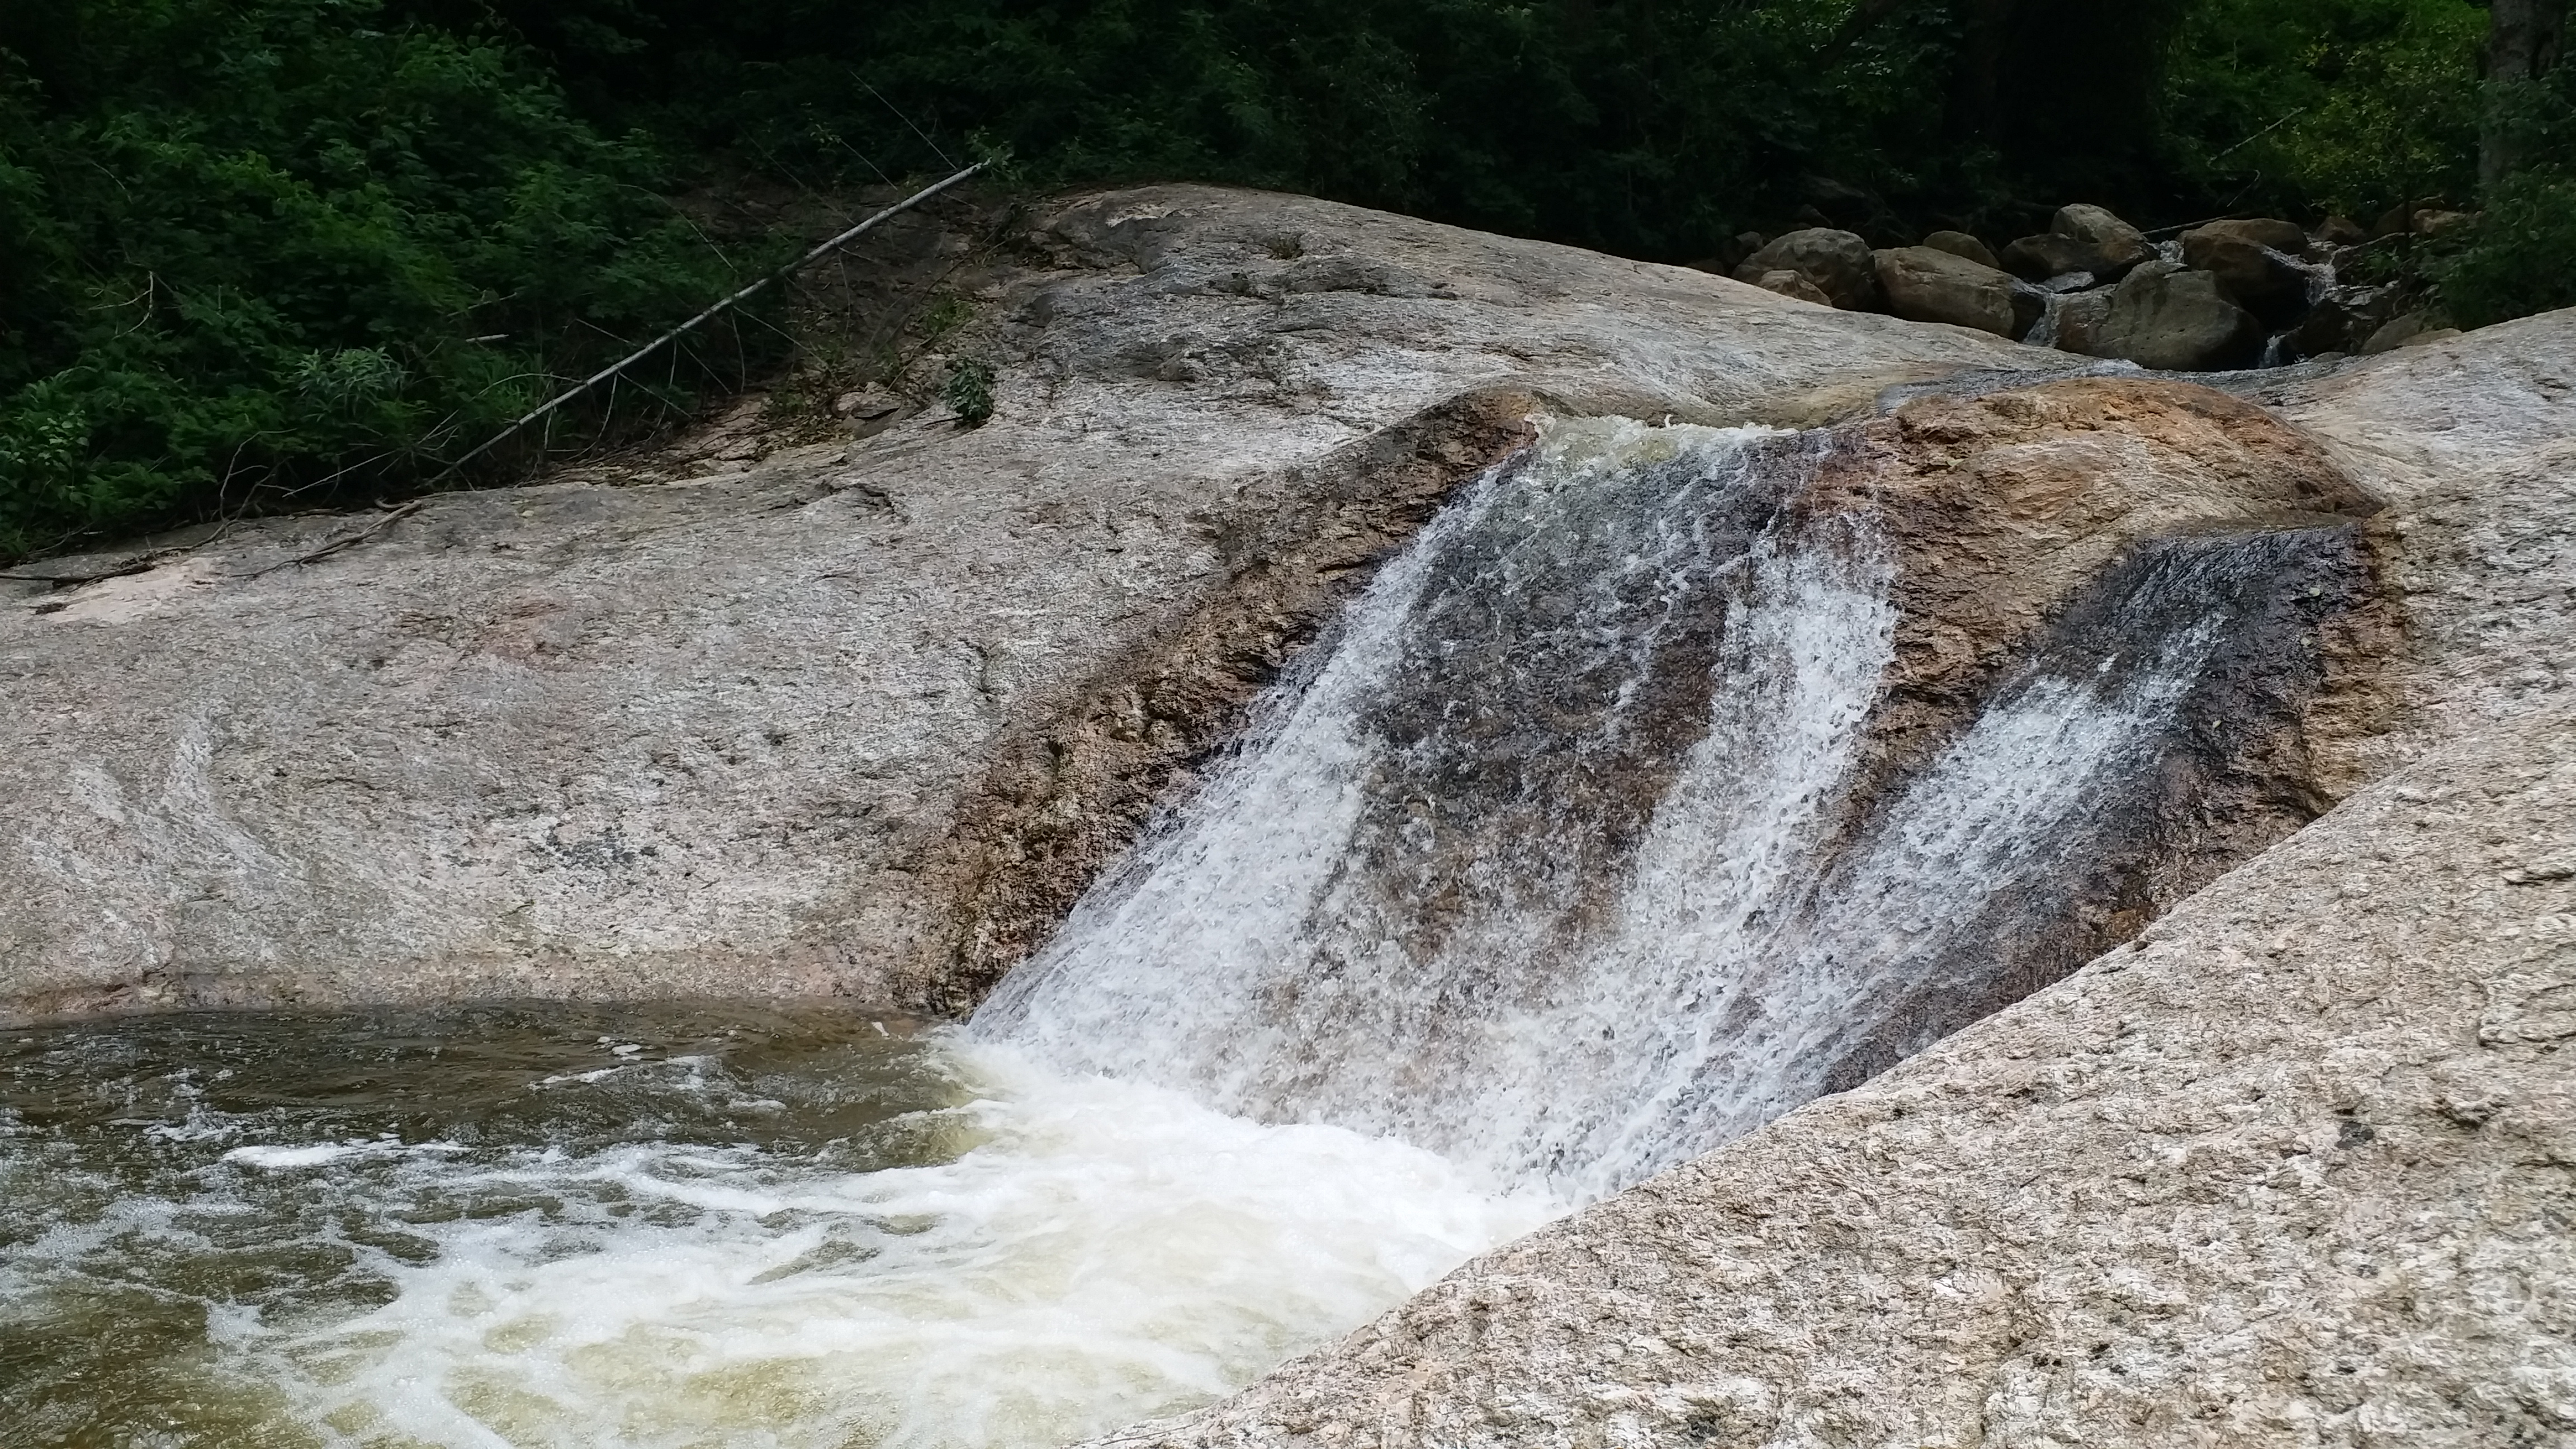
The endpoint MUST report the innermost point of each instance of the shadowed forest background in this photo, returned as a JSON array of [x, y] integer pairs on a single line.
[[280, 253]]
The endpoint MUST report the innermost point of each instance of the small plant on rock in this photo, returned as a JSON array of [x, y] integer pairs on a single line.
[[969, 390]]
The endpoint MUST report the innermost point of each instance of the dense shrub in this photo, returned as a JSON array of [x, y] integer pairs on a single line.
[[2325, 105], [1652, 129], [271, 247]]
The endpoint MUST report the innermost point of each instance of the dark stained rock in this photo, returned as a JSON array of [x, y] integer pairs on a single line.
[[1837, 262], [2340, 231], [2166, 317]]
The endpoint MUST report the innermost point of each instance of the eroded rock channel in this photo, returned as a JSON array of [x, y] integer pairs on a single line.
[[1677, 775]]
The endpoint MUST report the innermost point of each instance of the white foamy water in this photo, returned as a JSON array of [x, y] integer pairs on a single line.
[[1108, 1252], [1079, 1255]]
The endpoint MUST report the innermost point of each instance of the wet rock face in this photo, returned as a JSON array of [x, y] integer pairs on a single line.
[[2293, 1168], [1693, 773], [1066, 794], [2054, 533]]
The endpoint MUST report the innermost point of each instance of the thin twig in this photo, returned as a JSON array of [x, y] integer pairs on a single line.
[[140, 563], [346, 541], [722, 306], [2259, 135]]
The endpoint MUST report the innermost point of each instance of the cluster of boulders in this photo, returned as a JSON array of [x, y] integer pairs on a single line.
[[2223, 294]]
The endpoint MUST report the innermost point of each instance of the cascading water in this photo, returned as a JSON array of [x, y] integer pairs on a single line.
[[1556, 864]]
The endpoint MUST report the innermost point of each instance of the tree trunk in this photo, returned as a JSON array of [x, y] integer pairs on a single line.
[[2525, 39]]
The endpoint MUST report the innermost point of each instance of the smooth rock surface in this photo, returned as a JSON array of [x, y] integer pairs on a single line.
[[770, 729]]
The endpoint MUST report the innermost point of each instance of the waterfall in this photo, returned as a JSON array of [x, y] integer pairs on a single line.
[[1563, 860]]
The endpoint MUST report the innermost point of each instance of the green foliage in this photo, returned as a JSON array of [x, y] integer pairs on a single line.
[[2520, 257], [1654, 129], [2311, 105], [272, 249], [280, 249]]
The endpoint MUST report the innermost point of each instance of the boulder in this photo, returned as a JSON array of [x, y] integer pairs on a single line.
[[2252, 268], [2433, 221], [2406, 331], [2079, 322], [2046, 255], [2405, 217], [1960, 244], [2117, 244], [2340, 231], [1838, 262], [2280, 236], [2166, 317], [2079, 239], [1793, 284], [2343, 320], [1927, 284]]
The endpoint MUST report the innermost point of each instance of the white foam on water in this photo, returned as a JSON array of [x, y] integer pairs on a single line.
[[1106, 1252]]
